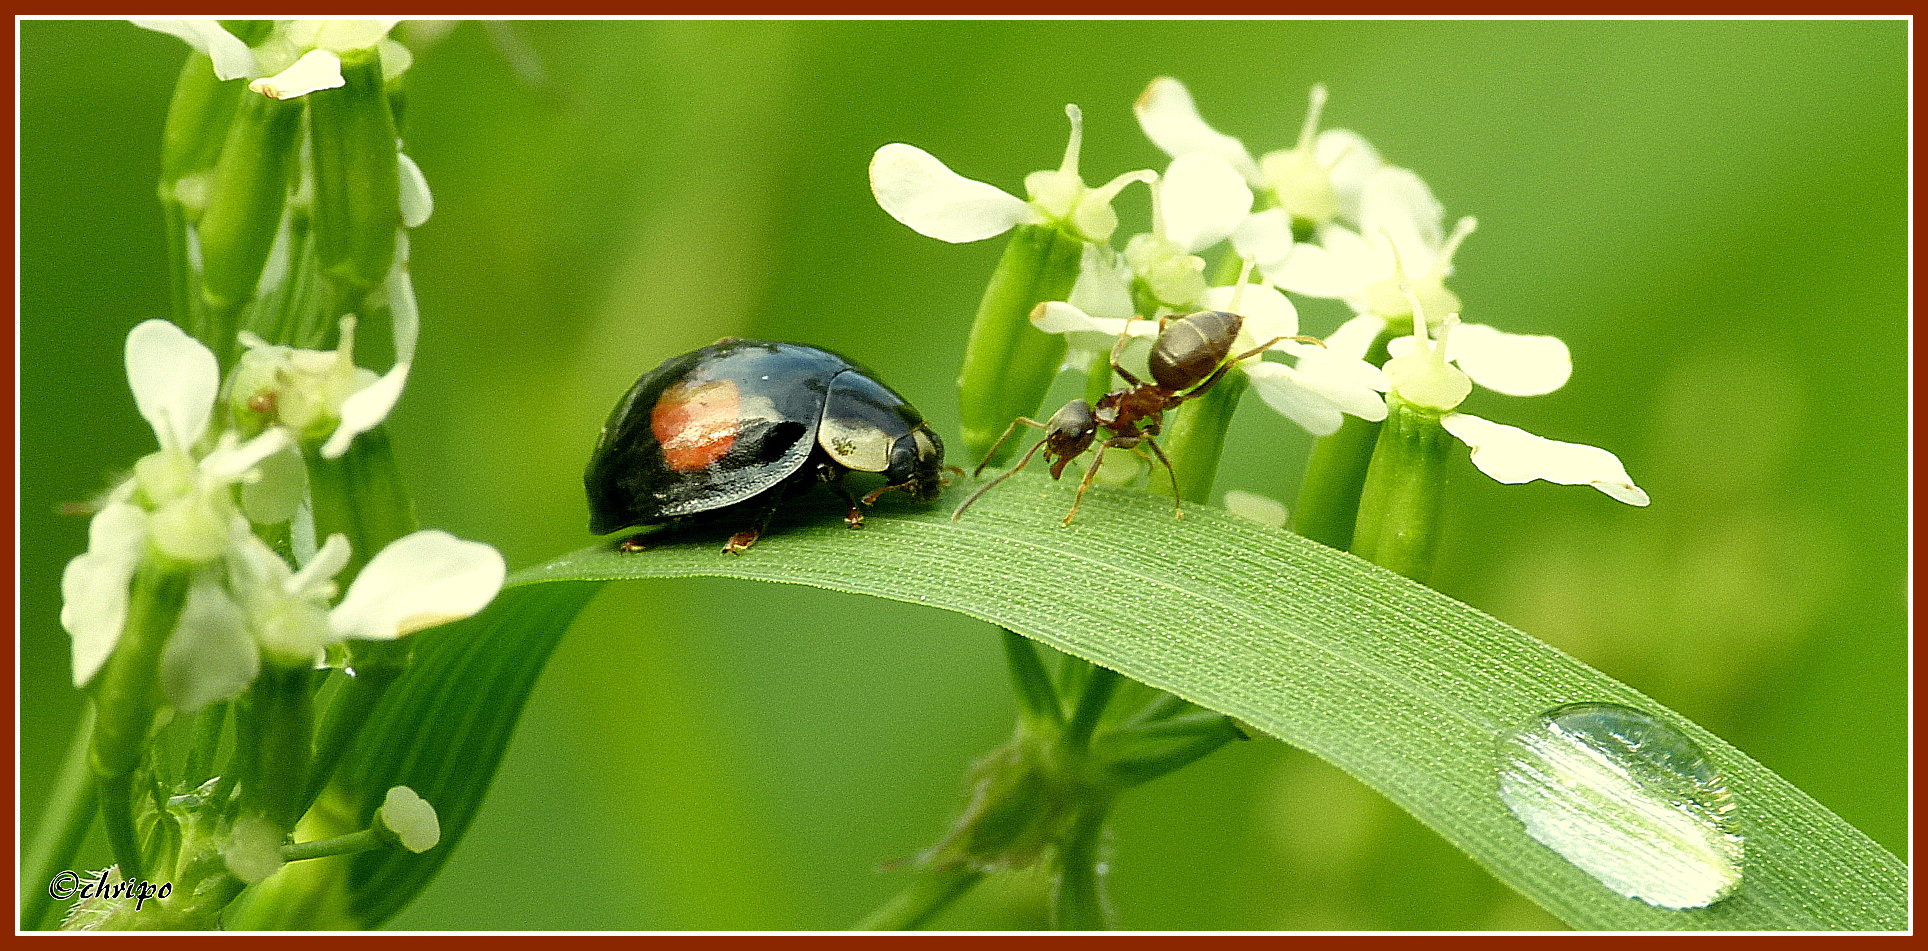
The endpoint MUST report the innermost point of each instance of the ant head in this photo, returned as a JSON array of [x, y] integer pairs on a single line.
[[1068, 433], [1192, 347]]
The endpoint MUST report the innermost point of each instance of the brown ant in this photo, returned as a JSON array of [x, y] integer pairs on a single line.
[[1189, 357]]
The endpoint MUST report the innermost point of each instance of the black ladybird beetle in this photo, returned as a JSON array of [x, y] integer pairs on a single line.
[[739, 426]]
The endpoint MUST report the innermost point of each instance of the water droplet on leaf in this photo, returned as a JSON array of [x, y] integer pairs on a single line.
[[1629, 799]]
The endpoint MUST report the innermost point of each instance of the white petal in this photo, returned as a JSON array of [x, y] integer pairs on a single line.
[[1352, 160], [210, 655], [1280, 388], [1340, 265], [1514, 364], [923, 193], [229, 463], [1264, 238], [1397, 204], [1202, 199], [1355, 336], [174, 379], [417, 203], [1104, 284], [1351, 386], [1268, 313], [277, 495], [315, 580], [1266, 511], [1057, 317], [1512, 455], [418, 581], [316, 69], [94, 586], [365, 409], [404, 316], [232, 58], [1171, 121], [340, 35]]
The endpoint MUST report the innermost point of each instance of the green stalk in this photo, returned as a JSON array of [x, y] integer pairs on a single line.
[[1194, 439], [1038, 703], [126, 698], [70, 812], [1008, 364], [1077, 895], [930, 892], [279, 711], [1399, 508], [360, 495], [1335, 475]]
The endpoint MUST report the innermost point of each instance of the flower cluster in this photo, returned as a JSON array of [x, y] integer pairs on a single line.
[[194, 504], [1328, 217]]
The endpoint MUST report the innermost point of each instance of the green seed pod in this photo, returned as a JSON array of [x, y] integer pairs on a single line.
[[250, 194], [357, 175]]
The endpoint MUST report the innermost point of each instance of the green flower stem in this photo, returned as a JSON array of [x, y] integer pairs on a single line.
[[209, 724], [1009, 364], [350, 710], [1335, 474], [1098, 377], [357, 177], [339, 845], [1077, 894], [360, 495], [70, 813], [1038, 703], [127, 697], [1095, 694], [1135, 755], [1194, 439], [278, 714], [930, 892], [244, 210], [1399, 507]]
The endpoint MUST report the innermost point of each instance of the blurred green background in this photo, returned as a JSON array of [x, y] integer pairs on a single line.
[[1711, 214]]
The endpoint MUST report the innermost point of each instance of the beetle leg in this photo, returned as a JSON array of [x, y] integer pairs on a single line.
[[1006, 474], [855, 516], [1008, 430], [742, 540]]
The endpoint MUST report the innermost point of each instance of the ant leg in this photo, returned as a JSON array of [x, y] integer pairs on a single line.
[[1008, 430], [1091, 472], [1118, 350], [1178, 511], [1005, 475]]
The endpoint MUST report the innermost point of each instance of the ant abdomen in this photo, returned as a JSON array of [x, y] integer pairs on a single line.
[[1192, 347]]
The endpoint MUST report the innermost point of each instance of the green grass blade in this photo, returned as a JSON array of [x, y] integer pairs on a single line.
[[1397, 684]]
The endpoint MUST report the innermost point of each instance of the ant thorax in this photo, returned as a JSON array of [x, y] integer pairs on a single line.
[[1121, 410]]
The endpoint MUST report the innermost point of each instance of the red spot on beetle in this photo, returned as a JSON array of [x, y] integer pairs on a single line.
[[696, 423]]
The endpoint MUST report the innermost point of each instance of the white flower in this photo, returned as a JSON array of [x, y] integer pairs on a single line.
[[409, 819], [180, 501], [1317, 181], [1197, 203], [416, 582], [319, 395], [299, 57], [918, 189], [1314, 394], [1422, 376]]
